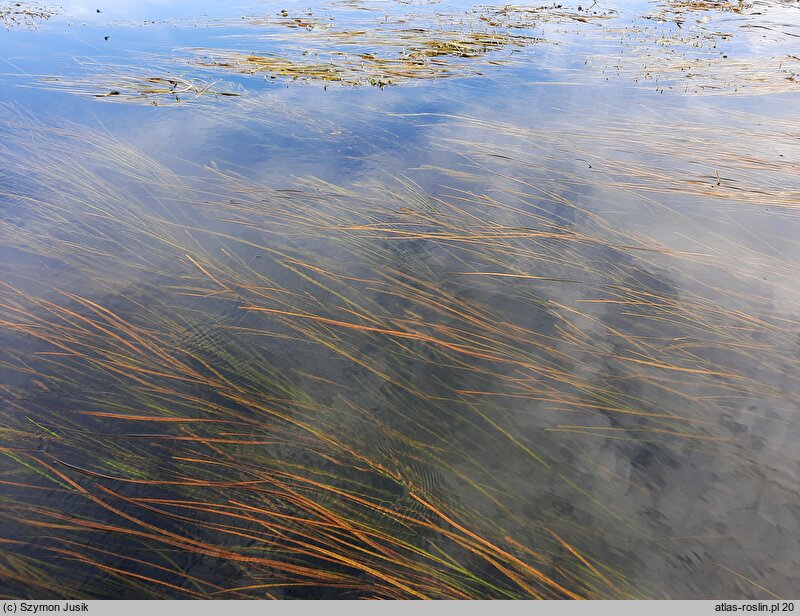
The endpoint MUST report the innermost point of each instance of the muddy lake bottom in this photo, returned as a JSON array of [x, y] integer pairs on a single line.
[[401, 300]]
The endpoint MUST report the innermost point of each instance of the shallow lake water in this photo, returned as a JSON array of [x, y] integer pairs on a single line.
[[359, 299]]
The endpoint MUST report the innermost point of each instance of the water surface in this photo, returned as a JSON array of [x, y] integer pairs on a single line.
[[401, 300]]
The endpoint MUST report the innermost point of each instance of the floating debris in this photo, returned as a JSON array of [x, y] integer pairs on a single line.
[[24, 14], [384, 57], [666, 69], [274, 66], [525, 16], [131, 88], [675, 46]]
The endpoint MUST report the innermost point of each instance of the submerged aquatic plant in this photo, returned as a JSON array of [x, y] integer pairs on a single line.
[[186, 443], [240, 388], [525, 358]]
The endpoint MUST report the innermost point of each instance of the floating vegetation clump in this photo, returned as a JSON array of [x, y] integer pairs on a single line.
[[423, 56], [24, 14], [281, 489], [666, 69], [674, 46], [272, 66], [129, 88], [527, 16]]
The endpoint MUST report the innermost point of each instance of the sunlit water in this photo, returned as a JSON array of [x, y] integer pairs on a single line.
[[512, 322]]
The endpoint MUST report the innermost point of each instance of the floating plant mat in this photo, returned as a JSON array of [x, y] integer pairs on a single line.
[[424, 56], [688, 47], [162, 87], [376, 55], [398, 48], [24, 14]]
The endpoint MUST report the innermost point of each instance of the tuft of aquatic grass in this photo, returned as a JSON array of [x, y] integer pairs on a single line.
[[124, 85], [272, 66], [378, 390], [155, 85]]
